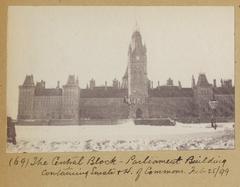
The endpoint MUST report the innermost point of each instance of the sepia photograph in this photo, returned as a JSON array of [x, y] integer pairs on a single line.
[[120, 78]]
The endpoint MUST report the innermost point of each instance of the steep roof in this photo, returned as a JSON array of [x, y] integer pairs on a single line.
[[28, 81], [170, 91], [224, 91], [202, 80], [136, 35], [125, 74], [72, 81], [48, 92], [102, 92]]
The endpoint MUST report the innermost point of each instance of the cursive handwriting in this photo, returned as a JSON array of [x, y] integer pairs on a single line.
[[135, 166]]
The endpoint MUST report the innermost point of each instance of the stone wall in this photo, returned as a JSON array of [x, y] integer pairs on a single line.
[[103, 108], [202, 96], [47, 107], [70, 102], [225, 106], [25, 104], [173, 107]]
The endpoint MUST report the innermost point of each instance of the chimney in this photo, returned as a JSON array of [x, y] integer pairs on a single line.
[[169, 82], [214, 83], [42, 84], [58, 84], [115, 83], [179, 84], [193, 82], [230, 83], [105, 85], [149, 84], [221, 83], [92, 83]]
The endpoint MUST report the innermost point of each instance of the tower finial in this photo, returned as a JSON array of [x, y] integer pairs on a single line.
[[136, 26], [193, 81]]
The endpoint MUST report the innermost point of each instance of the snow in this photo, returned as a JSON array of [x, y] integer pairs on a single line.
[[122, 137]]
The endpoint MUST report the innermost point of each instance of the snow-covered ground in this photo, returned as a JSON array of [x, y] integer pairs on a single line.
[[122, 137]]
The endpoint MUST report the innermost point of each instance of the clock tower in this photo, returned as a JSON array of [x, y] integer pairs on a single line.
[[137, 77]]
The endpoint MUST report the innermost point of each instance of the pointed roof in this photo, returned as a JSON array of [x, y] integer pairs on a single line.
[[72, 81], [137, 36], [28, 81], [126, 74], [136, 26], [202, 80]]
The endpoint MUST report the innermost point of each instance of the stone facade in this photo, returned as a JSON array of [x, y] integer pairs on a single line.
[[134, 97]]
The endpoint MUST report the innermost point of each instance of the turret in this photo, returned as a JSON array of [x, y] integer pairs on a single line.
[[227, 83], [92, 83], [169, 82], [58, 84], [115, 83], [71, 99], [203, 93], [40, 85], [26, 98]]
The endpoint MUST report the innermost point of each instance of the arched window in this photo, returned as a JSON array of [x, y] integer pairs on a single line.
[[139, 113]]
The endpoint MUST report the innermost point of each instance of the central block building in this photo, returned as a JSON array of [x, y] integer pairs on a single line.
[[133, 97]]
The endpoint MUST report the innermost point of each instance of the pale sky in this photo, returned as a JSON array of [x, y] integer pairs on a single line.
[[92, 42]]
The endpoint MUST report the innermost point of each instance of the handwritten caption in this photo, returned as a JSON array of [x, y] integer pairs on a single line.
[[135, 166]]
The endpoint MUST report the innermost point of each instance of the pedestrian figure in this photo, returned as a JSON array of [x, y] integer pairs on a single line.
[[213, 123]]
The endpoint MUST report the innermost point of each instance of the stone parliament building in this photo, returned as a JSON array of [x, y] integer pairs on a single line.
[[133, 97]]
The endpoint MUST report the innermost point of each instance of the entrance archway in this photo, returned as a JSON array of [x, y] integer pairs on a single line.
[[139, 113]]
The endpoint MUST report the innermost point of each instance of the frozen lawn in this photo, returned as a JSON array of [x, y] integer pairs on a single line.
[[122, 137]]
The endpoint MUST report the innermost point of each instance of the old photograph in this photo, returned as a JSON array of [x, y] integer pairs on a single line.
[[111, 78]]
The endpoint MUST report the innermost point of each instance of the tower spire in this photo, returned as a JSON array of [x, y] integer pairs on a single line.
[[193, 81], [136, 28]]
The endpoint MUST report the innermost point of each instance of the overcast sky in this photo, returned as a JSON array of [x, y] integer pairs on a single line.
[[92, 42]]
